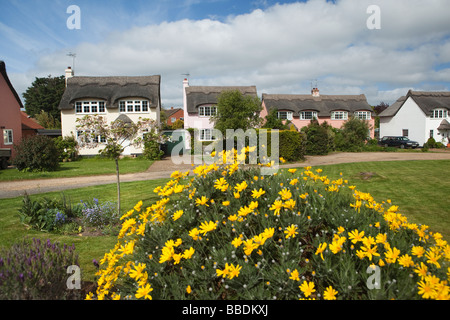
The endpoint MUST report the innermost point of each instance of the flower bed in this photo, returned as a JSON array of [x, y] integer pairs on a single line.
[[226, 232]]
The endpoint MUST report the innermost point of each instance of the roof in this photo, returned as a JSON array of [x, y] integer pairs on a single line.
[[29, 123], [200, 95], [170, 112], [5, 76], [426, 100], [323, 104], [445, 125], [111, 89]]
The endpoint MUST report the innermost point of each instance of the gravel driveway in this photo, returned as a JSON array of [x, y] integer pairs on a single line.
[[163, 169]]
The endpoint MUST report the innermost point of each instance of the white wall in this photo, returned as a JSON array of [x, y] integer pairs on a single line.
[[69, 124], [409, 117]]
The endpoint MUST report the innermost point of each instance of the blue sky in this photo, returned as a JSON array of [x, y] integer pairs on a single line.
[[279, 46]]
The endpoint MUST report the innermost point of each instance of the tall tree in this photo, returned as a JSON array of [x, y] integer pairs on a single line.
[[45, 94], [236, 111], [115, 137]]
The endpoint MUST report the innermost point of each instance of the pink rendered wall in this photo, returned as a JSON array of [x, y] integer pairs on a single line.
[[10, 117]]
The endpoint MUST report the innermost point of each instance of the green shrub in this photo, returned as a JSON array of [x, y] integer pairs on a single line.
[[37, 271], [36, 153], [152, 150], [431, 143], [320, 139], [67, 148], [353, 135]]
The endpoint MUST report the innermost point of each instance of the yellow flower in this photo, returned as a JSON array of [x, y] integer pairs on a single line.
[[144, 292], [223, 273], [330, 293], [321, 249], [418, 251], [391, 255], [292, 170], [291, 231], [421, 270], [285, 194], [188, 253], [138, 271], [166, 254], [177, 215], [202, 201], [433, 259], [257, 193], [276, 207], [234, 271], [369, 251], [289, 204], [268, 233], [241, 186], [236, 195], [226, 203], [356, 236], [294, 275], [282, 160], [236, 242], [221, 184], [244, 211], [405, 261], [207, 227], [138, 206], [188, 290], [194, 234], [381, 238], [233, 217], [307, 288]]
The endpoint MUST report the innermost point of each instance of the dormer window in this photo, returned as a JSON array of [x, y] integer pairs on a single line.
[[284, 115], [308, 115], [363, 115], [339, 115], [90, 107], [207, 111], [439, 114], [133, 106]]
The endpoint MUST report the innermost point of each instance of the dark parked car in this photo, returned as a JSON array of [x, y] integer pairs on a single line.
[[401, 142]]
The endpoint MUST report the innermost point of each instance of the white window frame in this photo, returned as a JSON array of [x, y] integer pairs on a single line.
[[207, 111], [439, 113], [363, 115], [134, 106], [206, 135], [285, 115], [308, 115], [339, 115], [98, 139], [90, 107], [8, 137]]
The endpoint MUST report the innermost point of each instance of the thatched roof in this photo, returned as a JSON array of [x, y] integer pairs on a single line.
[[111, 90], [201, 95], [323, 104]]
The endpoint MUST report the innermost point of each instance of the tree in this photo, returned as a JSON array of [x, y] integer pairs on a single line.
[[47, 121], [236, 111], [353, 135], [115, 137], [45, 94]]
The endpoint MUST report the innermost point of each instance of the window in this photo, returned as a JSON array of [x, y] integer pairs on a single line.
[[207, 111], [405, 132], [206, 135], [90, 107], [133, 106], [173, 119], [339, 115], [8, 136], [363, 115], [431, 133], [284, 115], [308, 115], [439, 114], [87, 139]]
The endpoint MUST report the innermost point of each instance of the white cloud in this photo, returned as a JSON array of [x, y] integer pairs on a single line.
[[280, 49]]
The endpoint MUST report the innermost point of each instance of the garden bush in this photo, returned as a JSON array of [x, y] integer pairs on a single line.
[[320, 138], [37, 270], [67, 148], [353, 135], [227, 232], [36, 153]]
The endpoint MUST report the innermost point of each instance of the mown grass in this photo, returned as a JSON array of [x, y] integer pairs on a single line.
[[90, 247], [83, 167]]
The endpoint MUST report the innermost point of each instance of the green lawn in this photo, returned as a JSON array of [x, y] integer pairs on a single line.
[[419, 188], [88, 248], [84, 167]]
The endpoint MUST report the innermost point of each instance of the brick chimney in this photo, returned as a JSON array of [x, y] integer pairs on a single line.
[[315, 92], [69, 74]]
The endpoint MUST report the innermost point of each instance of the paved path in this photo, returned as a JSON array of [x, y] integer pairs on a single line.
[[163, 169]]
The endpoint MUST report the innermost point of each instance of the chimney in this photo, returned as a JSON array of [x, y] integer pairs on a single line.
[[315, 92], [69, 74]]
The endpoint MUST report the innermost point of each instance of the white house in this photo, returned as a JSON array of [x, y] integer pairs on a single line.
[[419, 116], [127, 98]]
